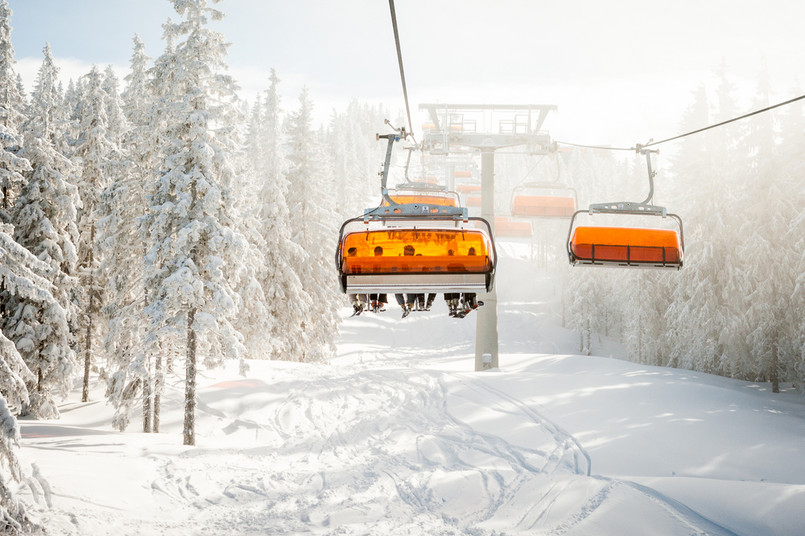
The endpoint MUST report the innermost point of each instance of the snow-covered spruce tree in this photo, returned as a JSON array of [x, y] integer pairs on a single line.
[[725, 315], [99, 156], [116, 124], [792, 134], [313, 228], [13, 519], [729, 165], [697, 317], [768, 247], [132, 372], [286, 300], [66, 120], [26, 278], [355, 153], [194, 251], [12, 116], [45, 223], [255, 321]]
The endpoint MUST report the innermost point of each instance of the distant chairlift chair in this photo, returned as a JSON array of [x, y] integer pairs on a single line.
[[628, 247]]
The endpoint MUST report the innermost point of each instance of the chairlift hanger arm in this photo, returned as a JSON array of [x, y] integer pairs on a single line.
[[406, 210], [408, 162], [644, 207], [651, 173], [387, 163]]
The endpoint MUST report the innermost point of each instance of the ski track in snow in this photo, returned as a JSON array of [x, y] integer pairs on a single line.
[[412, 451], [399, 461]]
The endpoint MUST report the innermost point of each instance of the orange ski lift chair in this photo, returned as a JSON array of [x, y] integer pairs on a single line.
[[414, 248], [508, 227], [407, 254], [543, 200], [630, 247]]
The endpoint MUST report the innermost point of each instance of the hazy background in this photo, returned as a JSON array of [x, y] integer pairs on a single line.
[[621, 72]]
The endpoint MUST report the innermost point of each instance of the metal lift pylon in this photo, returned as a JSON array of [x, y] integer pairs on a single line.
[[457, 125]]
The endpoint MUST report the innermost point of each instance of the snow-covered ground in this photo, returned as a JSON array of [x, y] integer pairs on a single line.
[[398, 435]]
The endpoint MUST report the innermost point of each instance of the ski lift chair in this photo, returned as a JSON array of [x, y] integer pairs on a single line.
[[445, 255], [543, 200], [414, 248], [626, 246]]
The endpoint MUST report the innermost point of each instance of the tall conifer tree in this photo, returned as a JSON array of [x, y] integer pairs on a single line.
[[12, 116], [313, 228], [45, 223], [192, 262]]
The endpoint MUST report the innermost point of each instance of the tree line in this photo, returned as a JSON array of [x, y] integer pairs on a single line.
[[151, 229], [737, 307]]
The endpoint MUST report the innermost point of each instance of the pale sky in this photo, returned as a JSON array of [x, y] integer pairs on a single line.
[[620, 72]]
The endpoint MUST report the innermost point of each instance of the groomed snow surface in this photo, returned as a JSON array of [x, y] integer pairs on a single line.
[[399, 436]]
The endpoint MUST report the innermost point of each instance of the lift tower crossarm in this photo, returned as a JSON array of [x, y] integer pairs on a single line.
[[458, 125], [543, 109]]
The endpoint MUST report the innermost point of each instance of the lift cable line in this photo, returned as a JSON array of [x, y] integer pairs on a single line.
[[638, 147], [402, 71], [604, 147]]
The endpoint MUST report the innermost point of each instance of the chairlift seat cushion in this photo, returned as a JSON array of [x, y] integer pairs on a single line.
[[626, 245]]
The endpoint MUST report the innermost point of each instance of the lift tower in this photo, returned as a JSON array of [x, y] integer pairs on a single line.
[[485, 128]]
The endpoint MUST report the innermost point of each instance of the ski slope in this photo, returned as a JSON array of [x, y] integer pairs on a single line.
[[399, 436]]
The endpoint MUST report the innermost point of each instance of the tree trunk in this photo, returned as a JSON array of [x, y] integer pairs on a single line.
[[2, 283], [158, 382], [148, 399], [87, 353], [90, 305], [588, 337], [147, 395], [775, 365], [639, 342], [190, 383]]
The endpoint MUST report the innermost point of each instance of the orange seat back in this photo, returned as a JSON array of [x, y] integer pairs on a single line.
[[434, 251], [622, 244]]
